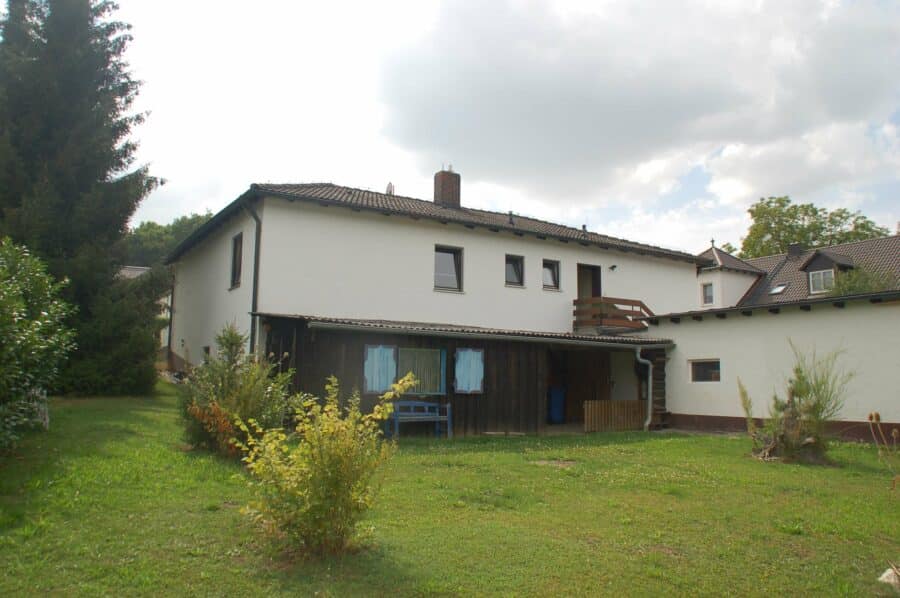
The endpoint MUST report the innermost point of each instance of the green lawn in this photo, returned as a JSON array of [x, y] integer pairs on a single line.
[[109, 502]]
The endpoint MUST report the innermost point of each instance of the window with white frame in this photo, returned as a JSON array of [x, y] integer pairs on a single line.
[[707, 289], [821, 281], [705, 370]]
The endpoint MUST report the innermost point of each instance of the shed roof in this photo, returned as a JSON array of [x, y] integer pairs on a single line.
[[434, 329]]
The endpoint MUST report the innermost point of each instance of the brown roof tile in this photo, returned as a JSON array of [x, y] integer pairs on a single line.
[[877, 255], [724, 260], [410, 206]]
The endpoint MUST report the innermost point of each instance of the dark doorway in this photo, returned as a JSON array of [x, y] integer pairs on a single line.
[[589, 283], [582, 375]]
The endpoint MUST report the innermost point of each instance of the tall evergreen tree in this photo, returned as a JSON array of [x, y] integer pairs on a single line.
[[67, 168]]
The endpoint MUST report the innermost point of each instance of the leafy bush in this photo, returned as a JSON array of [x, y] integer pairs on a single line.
[[796, 427], [34, 341], [232, 384], [312, 492], [861, 280]]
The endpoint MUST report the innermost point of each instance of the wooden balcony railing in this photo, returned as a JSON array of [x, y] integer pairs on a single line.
[[609, 312]]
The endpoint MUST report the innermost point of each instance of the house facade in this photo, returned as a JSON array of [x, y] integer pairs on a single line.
[[516, 322]]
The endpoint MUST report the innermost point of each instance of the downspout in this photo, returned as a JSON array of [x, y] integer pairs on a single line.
[[649, 364], [255, 290], [170, 358]]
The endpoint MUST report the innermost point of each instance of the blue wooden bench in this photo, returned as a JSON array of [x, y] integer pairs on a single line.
[[421, 411]]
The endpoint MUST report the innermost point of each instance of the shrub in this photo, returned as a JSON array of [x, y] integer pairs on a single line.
[[232, 384], [796, 427], [312, 492], [888, 450], [860, 280], [34, 341], [118, 338]]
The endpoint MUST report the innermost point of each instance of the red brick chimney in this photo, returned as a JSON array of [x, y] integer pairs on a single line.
[[446, 188]]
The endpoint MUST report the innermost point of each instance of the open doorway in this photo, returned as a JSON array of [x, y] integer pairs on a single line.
[[589, 281], [576, 376]]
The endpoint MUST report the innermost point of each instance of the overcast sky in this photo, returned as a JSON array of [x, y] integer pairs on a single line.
[[656, 121]]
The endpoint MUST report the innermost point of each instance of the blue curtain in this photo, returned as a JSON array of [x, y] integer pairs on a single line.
[[380, 368], [469, 370]]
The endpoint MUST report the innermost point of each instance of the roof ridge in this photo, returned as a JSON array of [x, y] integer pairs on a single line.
[[493, 212], [819, 247]]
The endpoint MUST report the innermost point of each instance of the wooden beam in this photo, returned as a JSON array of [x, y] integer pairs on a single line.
[[697, 318], [654, 321], [839, 304], [875, 300], [675, 320], [721, 316], [747, 312], [806, 307], [774, 310]]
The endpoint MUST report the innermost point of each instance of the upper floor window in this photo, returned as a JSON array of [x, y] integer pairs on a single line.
[[707, 293], [237, 244], [551, 274], [821, 281], [705, 370], [448, 268], [515, 270]]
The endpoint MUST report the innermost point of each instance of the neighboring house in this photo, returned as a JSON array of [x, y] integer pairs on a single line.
[[784, 299], [131, 272], [497, 314]]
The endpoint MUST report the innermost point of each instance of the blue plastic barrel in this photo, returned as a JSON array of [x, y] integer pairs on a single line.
[[557, 405]]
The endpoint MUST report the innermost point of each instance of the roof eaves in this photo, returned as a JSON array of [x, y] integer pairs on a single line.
[[639, 249], [874, 297]]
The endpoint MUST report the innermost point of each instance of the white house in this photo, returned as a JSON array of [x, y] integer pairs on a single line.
[[518, 323]]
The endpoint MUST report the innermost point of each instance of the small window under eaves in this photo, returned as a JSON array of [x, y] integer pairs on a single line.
[[778, 289]]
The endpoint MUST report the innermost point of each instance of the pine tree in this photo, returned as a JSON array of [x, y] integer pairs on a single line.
[[67, 170]]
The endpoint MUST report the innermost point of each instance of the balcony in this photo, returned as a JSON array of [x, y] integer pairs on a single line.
[[605, 315]]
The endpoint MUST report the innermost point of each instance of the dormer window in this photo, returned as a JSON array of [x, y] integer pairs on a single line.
[[821, 281]]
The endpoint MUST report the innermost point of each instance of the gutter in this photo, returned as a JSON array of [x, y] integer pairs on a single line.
[[482, 336], [255, 291], [649, 364]]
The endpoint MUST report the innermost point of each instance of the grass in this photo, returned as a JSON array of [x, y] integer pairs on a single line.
[[110, 502]]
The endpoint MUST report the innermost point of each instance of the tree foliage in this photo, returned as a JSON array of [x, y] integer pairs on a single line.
[[149, 243], [34, 340], [778, 222], [857, 281], [68, 183]]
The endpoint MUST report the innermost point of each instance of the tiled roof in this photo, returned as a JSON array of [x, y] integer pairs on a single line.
[[456, 330], [876, 255], [395, 204], [724, 260]]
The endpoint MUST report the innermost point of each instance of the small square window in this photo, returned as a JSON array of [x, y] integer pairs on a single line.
[[821, 281], [236, 258], [778, 288], [448, 268], [705, 370], [551, 274], [515, 270], [707, 293]]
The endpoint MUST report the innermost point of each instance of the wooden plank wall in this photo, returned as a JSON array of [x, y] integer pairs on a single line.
[[614, 416], [515, 384]]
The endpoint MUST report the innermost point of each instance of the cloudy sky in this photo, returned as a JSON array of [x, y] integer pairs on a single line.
[[656, 121]]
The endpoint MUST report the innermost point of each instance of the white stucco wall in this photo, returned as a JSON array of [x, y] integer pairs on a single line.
[[625, 381], [756, 349], [728, 287], [330, 261], [203, 303]]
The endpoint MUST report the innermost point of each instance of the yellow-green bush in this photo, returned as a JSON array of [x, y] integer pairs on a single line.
[[313, 488]]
